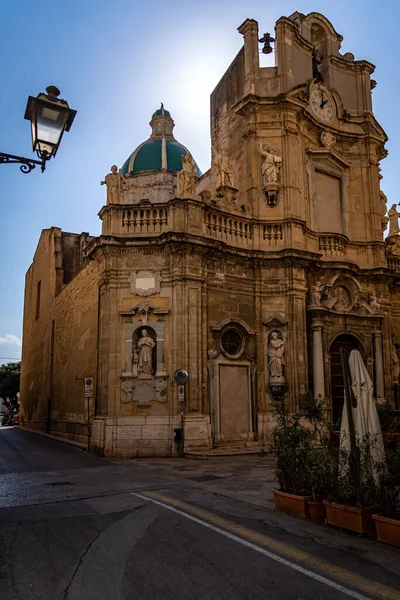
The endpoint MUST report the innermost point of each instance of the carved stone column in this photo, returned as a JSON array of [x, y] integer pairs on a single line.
[[318, 360], [379, 380]]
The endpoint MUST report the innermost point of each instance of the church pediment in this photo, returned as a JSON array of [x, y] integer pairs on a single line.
[[327, 159]]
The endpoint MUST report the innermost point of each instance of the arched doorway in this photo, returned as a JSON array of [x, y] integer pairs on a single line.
[[348, 342]]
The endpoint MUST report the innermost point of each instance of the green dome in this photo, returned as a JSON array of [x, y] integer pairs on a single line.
[[161, 151]]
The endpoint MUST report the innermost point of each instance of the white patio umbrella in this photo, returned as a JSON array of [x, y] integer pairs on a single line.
[[364, 415]]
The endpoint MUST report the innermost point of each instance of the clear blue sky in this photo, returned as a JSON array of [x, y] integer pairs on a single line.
[[115, 62]]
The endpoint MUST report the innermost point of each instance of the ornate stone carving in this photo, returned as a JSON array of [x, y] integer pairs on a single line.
[[145, 283], [374, 303], [316, 293], [227, 195], [328, 139], [113, 182], [206, 195], [384, 218], [143, 308], [270, 170], [187, 177], [342, 296], [393, 221], [143, 392]]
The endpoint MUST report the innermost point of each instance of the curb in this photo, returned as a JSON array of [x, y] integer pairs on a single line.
[[57, 438]]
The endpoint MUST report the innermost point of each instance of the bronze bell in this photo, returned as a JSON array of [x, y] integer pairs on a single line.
[[266, 40]]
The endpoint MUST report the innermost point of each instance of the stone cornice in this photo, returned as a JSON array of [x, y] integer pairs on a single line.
[[357, 66]]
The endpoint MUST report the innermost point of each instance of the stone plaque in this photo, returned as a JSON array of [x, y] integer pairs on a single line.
[[145, 283]]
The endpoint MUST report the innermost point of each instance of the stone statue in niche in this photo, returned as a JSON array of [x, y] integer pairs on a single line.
[[145, 347], [276, 359], [393, 220], [271, 165], [187, 177], [316, 292], [223, 169], [113, 183]]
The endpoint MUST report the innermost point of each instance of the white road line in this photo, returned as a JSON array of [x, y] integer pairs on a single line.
[[270, 555]]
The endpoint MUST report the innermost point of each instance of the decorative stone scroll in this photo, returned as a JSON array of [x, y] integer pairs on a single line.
[[143, 392], [145, 283]]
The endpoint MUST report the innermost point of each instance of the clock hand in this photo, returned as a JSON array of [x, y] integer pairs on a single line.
[[323, 102]]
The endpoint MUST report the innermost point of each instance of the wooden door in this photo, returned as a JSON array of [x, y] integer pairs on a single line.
[[348, 342]]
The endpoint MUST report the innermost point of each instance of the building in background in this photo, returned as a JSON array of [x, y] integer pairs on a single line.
[[251, 276]]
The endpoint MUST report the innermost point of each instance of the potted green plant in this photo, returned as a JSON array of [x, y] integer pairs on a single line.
[[388, 522], [353, 499], [323, 478], [292, 445]]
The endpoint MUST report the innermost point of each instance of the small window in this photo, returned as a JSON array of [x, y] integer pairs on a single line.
[[231, 342], [39, 285]]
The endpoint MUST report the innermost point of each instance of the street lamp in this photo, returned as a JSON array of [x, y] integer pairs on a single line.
[[49, 117]]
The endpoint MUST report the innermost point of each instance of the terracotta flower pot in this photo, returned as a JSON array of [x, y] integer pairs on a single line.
[[387, 530], [349, 517], [317, 511], [296, 505]]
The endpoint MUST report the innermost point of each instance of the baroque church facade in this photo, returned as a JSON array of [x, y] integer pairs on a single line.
[[251, 277]]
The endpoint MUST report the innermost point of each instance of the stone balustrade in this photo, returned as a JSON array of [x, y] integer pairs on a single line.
[[228, 228], [273, 233], [393, 263], [333, 245], [145, 220]]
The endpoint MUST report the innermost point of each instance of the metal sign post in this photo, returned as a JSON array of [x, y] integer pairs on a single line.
[[89, 396], [181, 377]]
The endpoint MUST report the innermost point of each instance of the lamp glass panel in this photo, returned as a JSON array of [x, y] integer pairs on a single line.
[[50, 126]]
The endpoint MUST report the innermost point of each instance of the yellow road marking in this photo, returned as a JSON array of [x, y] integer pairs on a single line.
[[308, 560]]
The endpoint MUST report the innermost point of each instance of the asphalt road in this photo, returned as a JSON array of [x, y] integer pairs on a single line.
[[78, 527]]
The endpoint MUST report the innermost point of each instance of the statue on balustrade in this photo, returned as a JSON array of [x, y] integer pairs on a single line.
[[187, 177], [113, 183], [224, 170], [393, 220]]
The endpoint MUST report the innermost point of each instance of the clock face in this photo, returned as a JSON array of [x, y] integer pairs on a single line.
[[322, 105]]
